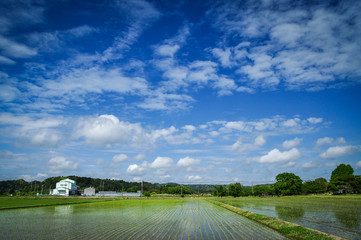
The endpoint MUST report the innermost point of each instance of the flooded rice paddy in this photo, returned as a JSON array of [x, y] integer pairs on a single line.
[[337, 216], [131, 219]]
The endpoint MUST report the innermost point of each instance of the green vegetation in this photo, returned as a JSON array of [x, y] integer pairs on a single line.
[[343, 181], [25, 202], [288, 184]]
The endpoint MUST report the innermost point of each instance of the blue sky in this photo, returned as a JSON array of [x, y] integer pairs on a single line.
[[179, 91]]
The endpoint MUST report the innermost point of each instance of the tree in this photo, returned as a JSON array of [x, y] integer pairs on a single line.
[[288, 184], [219, 191], [341, 170], [343, 181], [235, 189], [319, 185]]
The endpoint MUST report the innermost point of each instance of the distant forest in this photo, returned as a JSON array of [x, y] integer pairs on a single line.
[[22, 187], [342, 181]]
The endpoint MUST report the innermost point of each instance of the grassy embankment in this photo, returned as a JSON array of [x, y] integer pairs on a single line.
[[290, 230], [26, 202]]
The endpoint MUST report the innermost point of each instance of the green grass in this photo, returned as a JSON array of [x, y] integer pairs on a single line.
[[26, 202]]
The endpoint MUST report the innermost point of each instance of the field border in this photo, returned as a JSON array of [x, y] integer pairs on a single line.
[[80, 201], [287, 229]]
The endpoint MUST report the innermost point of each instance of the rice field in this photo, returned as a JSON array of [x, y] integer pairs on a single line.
[[131, 219], [337, 215]]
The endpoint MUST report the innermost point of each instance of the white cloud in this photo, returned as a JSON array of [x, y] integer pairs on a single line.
[[139, 157], [358, 164], [314, 120], [119, 158], [189, 128], [193, 178], [307, 47], [188, 162], [167, 50], [6, 60], [291, 123], [330, 141], [162, 162], [339, 151], [323, 141], [309, 165], [260, 141], [60, 164], [136, 170], [276, 155], [17, 50], [223, 56], [292, 143], [107, 129], [29, 178]]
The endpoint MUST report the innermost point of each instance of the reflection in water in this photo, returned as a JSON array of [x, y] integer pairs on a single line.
[[64, 210], [350, 219], [290, 213]]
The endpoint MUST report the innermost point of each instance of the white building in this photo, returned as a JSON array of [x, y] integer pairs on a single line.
[[65, 187]]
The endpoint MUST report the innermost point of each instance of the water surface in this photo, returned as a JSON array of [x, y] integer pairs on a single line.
[[131, 219]]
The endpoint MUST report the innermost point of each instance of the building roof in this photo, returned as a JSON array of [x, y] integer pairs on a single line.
[[67, 180]]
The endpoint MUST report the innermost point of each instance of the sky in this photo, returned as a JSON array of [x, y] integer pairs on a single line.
[[211, 92]]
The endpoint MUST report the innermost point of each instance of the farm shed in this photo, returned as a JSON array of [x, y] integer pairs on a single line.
[[90, 191]]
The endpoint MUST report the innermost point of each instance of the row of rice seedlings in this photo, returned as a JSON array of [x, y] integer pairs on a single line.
[[237, 224], [165, 225], [210, 218], [255, 230], [218, 224], [181, 224], [151, 222], [176, 226], [160, 222], [125, 225], [251, 230], [200, 223]]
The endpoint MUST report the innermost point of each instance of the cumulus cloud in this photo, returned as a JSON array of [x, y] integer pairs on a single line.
[[330, 141], [188, 162], [119, 158], [323, 141], [193, 178], [162, 162], [137, 170], [314, 120], [276, 155], [260, 141], [107, 130], [340, 151], [60, 164], [292, 143]]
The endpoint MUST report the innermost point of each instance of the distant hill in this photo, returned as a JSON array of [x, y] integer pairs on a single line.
[[22, 187]]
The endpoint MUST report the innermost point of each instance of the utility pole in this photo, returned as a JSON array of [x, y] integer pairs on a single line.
[[252, 189], [181, 189], [142, 187]]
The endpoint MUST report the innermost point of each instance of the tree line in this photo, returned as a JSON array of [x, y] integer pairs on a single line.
[[342, 181]]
